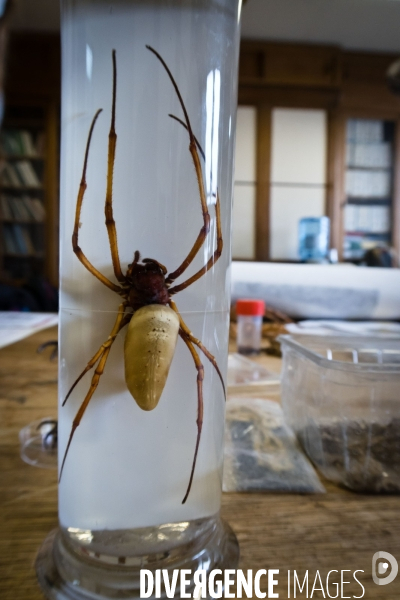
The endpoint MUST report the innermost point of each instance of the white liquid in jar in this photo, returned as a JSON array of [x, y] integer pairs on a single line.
[[127, 468]]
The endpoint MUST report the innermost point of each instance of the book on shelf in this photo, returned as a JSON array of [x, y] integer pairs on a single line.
[[365, 131], [368, 219], [9, 244], [18, 142], [9, 176], [27, 173], [6, 211], [23, 208], [28, 147], [10, 143], [12, 213], [369, 156], [18, 240], [22, 213], [368, 184], [19, 174], [27, 240], [38, 209], [35, 208]]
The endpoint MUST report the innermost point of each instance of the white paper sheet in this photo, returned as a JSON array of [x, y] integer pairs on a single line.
[[15, 326]]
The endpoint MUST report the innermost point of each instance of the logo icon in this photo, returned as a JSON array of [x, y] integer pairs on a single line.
[[385, 559]]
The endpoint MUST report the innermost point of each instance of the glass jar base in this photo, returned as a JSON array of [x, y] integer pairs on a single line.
[[65, 575], [248, 351]]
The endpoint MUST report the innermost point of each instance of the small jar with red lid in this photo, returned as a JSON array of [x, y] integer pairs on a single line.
[[249, 323]]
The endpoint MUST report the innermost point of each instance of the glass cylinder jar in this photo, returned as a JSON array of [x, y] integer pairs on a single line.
[[125, 501]]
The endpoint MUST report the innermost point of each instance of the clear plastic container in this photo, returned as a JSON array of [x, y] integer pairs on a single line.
[[244, 373], [341, 395], [249, 323]]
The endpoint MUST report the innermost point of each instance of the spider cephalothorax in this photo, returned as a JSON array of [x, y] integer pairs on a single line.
[[147, 283], [147, 307]]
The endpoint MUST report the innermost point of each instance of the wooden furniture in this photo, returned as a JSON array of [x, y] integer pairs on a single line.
[[30, 150], [338, 530], [347, 85]]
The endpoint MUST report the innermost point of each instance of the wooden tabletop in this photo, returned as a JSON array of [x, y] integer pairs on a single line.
[[338, 530]]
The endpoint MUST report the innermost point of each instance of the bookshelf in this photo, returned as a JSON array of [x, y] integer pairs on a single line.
[[368, 185], [23, 193], [29, 159]]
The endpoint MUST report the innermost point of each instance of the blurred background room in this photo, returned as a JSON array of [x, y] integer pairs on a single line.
[[317, 153]]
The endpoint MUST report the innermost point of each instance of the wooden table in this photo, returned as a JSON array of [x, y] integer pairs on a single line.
[[339, 530]]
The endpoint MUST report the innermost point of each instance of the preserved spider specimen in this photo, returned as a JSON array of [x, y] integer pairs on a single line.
[[146, 289]]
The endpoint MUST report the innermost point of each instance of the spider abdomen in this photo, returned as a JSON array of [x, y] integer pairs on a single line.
[[149, 349]]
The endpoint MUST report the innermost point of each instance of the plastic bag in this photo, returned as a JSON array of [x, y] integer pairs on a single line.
[[261, 451]]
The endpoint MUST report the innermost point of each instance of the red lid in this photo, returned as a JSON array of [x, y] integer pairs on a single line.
[[250, 307]]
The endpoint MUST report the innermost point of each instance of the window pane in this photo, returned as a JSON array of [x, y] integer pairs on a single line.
[[243, 230], [299, 143], [244, 202], [245, 162]]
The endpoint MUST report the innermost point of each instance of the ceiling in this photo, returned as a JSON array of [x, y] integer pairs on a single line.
[[357, 24]]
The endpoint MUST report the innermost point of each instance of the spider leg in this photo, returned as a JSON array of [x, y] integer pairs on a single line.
[[211, 261], [112, 143], [203, 231], [199, 175], [200, 409], [82, 188], [99, 353], [218, 213], [93, 386], [198, 343], [199, 148], [95, 381]]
